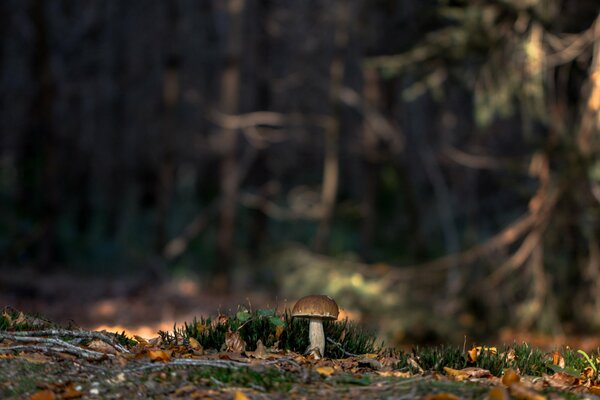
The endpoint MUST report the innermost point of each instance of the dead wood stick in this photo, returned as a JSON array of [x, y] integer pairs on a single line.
[[76, 334], [64, 346]]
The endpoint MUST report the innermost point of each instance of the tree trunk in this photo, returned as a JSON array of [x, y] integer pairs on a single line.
[[229, 104], [332, 131]]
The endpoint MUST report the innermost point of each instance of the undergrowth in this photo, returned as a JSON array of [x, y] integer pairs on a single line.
[[273, 330]]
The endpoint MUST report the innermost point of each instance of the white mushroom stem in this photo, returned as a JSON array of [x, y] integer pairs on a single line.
[[316, 335]]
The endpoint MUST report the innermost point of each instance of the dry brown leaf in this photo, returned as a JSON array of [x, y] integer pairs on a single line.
[[510, 376], [413, 363], [325, 371], [278, 331], [442, 396], [234, 342], [102, 347], [521, 392], [510, 355], [69, 392], [220, 320], [560, 380], [43, 395], [260, 352], [21, 319], [498, 393], [587, 374], [595, 389]]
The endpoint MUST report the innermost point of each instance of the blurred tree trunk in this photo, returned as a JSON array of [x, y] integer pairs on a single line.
[[168, 132], [41, 142], [332, 131], [372, 96], [259, 176], [229, 104]]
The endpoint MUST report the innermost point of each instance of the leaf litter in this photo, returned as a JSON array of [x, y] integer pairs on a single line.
[[41, 362]]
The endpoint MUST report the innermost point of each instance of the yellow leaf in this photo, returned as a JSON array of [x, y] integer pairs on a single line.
[[240, 396], [194, 344], [35, 358], [159, 355], [200, 327], [141, 340], [325, 371], [465, 373], [370, 355]]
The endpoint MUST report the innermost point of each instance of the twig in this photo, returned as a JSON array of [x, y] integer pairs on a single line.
[[76, 334], [194, 363], [341, 348], [57, 348]]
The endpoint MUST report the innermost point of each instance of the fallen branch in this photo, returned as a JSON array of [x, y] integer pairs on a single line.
[[76, 334], [53, 346]]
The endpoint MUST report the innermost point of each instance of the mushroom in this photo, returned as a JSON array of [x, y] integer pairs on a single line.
[[316, 308]]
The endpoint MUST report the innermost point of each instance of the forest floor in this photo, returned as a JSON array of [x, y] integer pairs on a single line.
[[46, 369]]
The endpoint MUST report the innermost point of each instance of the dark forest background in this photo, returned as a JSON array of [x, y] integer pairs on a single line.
[[448, 148]]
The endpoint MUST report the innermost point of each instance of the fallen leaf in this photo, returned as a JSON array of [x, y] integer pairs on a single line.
[[442, 396], [200, 327], [158, 355], [498, 393], [234, 342], [35, 358], [396, 374], [325, 371], [240, 396], [141, 341], [521, 392], [43, 395], [560, 380], [510, 376], [220, 320], [260, 352], [558, 359], [69, 392], [595, 389], [21, 319], [194, 344], [475, 352], [102, 347], [278, 331], [466, 373]]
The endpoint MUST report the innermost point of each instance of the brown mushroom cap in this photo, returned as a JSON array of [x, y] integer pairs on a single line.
[[316, 306]]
